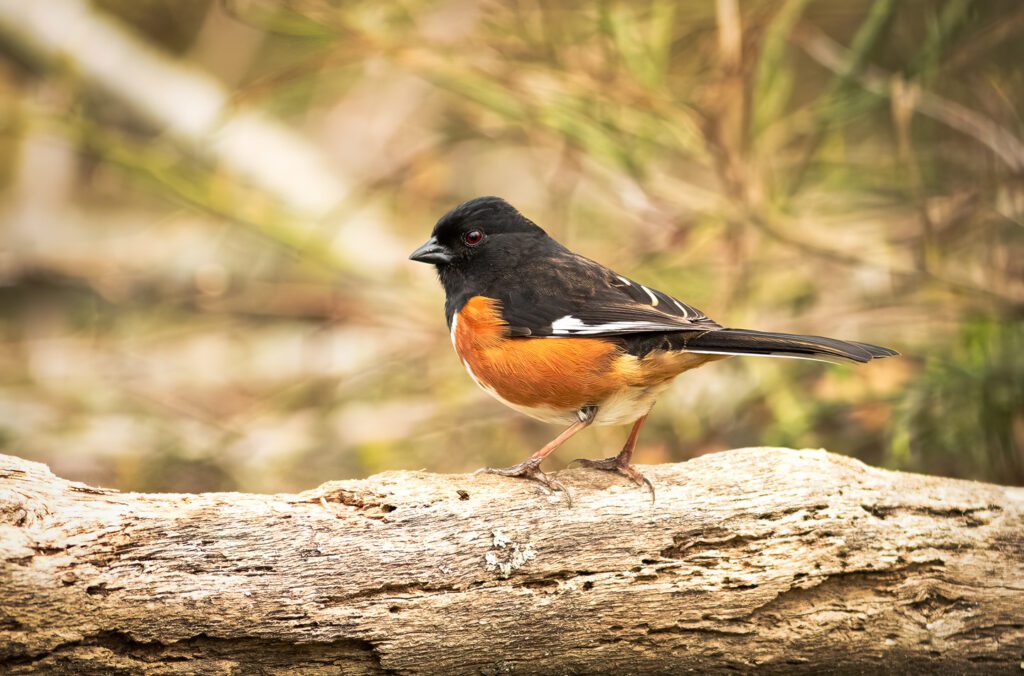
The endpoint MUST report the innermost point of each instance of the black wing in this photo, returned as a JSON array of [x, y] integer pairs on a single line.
[[569, 295]]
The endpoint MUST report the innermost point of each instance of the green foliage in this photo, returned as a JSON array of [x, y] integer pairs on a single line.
[[964, 414]]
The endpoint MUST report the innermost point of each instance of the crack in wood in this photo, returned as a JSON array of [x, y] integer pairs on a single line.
[[204, 654]]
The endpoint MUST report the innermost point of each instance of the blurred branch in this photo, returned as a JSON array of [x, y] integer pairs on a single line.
[[800, 243], [998, 139], [188, 104], [1004, 27], [773, 81], [730, 33], [194, 183], [864, 42], [192, 108], [951, 18]]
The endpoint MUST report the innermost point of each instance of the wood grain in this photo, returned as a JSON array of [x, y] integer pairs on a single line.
[[782, 560]]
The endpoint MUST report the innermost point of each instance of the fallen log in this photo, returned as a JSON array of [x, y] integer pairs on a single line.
[[782, 560]]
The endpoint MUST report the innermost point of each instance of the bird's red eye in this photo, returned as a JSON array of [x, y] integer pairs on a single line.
[[473, 237]]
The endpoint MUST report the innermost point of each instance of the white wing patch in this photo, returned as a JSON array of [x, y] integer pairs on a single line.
[[567, 325], [639, 309], [573, 326]]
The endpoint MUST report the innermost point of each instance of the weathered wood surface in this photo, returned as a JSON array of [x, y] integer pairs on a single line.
[[790, 561]]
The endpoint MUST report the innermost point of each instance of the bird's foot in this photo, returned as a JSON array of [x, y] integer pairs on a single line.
[[530, 469], [620, 465]]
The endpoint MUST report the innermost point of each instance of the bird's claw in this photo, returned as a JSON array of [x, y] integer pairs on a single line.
[[530, 469], [620, 465]]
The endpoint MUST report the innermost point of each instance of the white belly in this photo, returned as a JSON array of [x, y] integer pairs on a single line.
[[627, 405]]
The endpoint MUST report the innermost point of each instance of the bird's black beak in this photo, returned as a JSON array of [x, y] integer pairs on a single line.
[[432, 252]]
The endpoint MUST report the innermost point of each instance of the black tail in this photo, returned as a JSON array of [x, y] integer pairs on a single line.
[[742, 341]]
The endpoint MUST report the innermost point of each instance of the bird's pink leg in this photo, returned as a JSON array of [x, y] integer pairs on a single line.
[[620, 463], [530, 468]]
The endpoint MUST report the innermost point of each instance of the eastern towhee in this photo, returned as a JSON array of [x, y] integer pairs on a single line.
[[565, 340]]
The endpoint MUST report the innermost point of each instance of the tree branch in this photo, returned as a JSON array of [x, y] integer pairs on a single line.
[[791, 561], [1000, 140]]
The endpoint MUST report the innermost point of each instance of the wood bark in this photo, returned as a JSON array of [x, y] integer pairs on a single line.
[[781, 560]]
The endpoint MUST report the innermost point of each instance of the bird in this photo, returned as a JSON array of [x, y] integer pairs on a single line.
[[565, 340]]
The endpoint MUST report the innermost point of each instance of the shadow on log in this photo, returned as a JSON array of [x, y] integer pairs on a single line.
[[787, 561]]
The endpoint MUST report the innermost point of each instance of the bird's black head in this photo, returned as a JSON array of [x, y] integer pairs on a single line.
[[481, 247], [486, 228]]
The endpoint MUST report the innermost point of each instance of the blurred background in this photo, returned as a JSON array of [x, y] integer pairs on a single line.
[[206, 209]]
